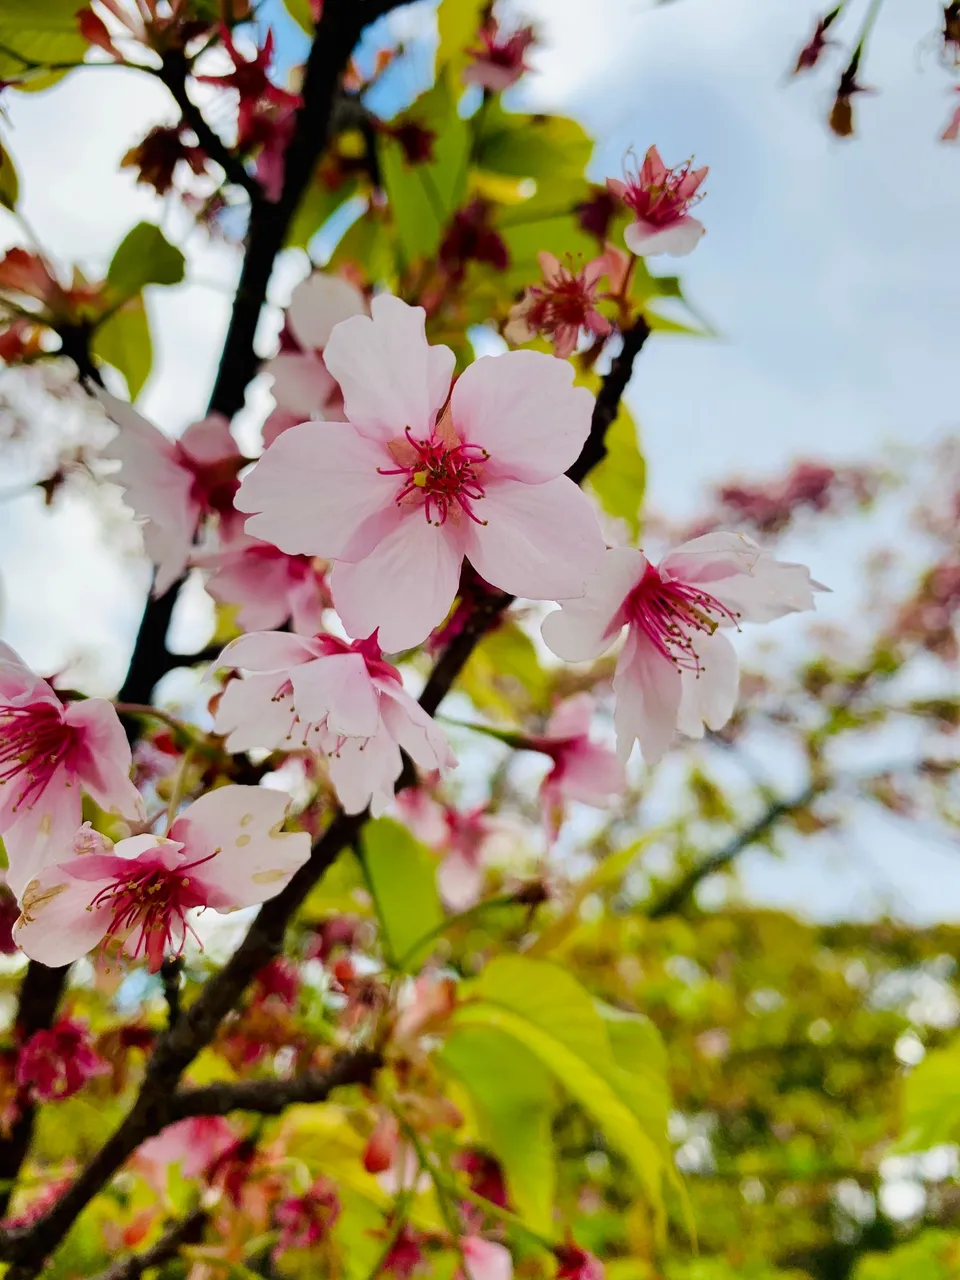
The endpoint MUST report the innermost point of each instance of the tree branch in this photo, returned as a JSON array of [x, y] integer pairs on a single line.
[[270, 1097], [173, 73], [677, 896], [177, 1047], [188, 1231]]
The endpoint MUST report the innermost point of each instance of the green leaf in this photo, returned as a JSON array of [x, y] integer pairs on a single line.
[[513, 1098], [41, 32], [620, 479], [458, 22], [316, 206], [560, 234], [123, 340], [402, 874], [9, 182], [550, 149], [302, 14], [424, 196], [933, 1255], [144, 256], [931, 1100], [544, 1008]]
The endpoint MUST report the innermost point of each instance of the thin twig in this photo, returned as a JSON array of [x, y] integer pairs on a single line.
[[188, 1231]]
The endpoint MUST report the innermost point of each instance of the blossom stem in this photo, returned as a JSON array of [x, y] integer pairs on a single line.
[[179, 786]]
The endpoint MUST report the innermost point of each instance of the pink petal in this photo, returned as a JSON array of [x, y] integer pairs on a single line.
[[405, 586], [390, 378], [253, 859], [301, 383], [523, 408], [460, 881], [314, 487], [414, 730], [648, 688], [338, 688], [250, 715], [582, 629], [484, 1260], [209, 441], [41, 834], [572, 717], [55, 927], [677, 240], [267, 651], [709, 698], [540, 541], [103, 761], [319, 303], [591, 773], [364, 773], [743, 576]]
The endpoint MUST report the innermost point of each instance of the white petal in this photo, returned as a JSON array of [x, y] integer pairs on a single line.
[[710, 697], [337, 688], [319, 303], [648, 689], [582, 629]]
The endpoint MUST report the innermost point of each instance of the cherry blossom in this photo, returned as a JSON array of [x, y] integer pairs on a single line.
[[677, 669], [500, 59], [303, 388], [225, 851], [582, 770], [559, 308], [173, 484], [194, 1144], [305, 1221], [325, 695], [268, 586], [156, 158], [49, 754], [401, 493], [465, 838], [485, 1260], [254, 87], [57, 1062], [660, 199]]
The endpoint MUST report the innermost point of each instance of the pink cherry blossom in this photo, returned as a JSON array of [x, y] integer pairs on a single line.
[[464, 838], [303, 388], [401, 493], [254, 87], [173, 484], [582, 770], [225, 851], [193, 1144], [269, 586], [500, 59], [677, 669], [559, 308], [325, 695], [49, 754], [660, 199], [57, 1062], [306, 1220], [485, 1260]]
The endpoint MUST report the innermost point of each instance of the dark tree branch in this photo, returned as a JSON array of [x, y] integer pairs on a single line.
[[167, 1247], [40, 994], [177, 1048], [270, 1097], [677, 896], [174, 73]]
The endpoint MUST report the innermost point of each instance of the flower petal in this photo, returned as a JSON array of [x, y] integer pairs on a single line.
[[523, 408], [339, 688], [648, 689], [364, 773], [266, 651], [313, 488], [102, 760], [389, 375], [253, 859], [708, 698], [405, 586], [302, 384], [55, 926], [251, 715], [646, 240], [319, 303], [539, 541], [413, 729], [40, 834], [582, 629]]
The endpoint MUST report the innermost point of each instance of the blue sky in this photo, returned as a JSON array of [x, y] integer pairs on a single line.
[[830, 268]]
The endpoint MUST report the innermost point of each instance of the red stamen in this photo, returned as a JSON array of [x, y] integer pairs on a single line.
[[34, 743], [671, 614], [446, 474]]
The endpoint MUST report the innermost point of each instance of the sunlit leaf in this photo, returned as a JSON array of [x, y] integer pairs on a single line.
[[403, 880], [458, 22], [9, 182], [504, 676], [144, 256], [36, 34], [123, 340], [619, 481]]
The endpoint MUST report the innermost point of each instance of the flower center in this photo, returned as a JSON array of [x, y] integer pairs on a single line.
[[442, 474], [671, 614], [154, 900], [668, 196], [34, 743]]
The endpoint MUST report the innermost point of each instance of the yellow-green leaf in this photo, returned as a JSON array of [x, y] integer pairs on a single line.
[[931, 1100], [35, 34], [144, 256], [9, 182], [402, 875], [619, 480], [458, 22], [123, 340]]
